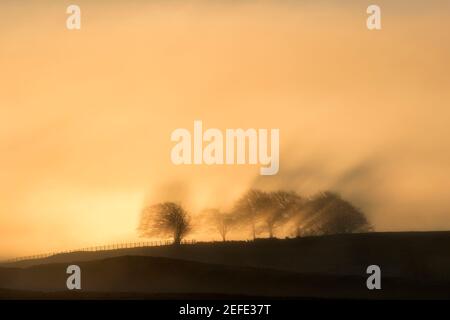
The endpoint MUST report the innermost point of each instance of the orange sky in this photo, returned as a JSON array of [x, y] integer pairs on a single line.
[[86, 116]]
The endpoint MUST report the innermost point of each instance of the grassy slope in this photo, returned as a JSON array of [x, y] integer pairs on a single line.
[[410, 255], [147, 276], [414, 265]]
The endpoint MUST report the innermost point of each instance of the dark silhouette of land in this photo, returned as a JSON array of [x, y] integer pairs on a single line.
[[413, 265]]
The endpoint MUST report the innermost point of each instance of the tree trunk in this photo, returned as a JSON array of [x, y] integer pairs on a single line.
[[254, 231], [270, 229], [176, 239]]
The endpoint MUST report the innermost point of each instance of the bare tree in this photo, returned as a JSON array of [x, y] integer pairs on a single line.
[[328, 213], [281, 207], [218, 220], [165, 219], [250, 207]]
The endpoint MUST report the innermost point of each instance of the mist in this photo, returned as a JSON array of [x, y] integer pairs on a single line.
[[85, 118]]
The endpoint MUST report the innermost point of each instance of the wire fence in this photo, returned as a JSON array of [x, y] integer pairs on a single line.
[[115, 246]]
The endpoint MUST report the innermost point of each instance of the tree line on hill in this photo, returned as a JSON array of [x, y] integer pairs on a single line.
[[262, 213]]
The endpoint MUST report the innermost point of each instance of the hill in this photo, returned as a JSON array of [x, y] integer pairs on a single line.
[[147, 277], [403, 255]]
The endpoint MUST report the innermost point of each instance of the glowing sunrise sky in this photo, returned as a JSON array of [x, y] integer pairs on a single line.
[[86, 116]]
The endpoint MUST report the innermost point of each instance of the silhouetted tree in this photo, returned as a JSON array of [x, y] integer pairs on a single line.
[[328, 213], [250, 207], [280, 208], [223, 224], [221, 221], [165, 219]]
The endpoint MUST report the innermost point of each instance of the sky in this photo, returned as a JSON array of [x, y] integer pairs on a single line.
[[86, 115]]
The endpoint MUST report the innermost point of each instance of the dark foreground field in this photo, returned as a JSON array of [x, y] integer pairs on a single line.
[[413, 265]]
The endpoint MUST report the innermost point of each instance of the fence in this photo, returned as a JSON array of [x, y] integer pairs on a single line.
[[116, 246]]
